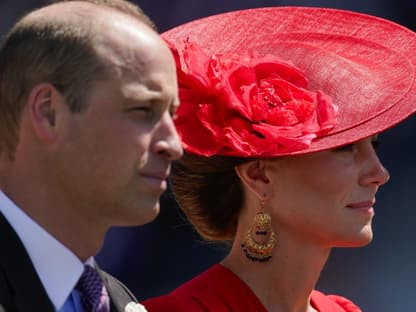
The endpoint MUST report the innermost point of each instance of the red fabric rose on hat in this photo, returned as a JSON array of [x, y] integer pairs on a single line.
[[247, 106]]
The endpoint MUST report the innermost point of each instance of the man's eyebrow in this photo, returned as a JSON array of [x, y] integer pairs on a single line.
[[170, 102], [143, 96]]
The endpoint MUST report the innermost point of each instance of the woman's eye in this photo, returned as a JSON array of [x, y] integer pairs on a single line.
[[375, 143], [345, 148]]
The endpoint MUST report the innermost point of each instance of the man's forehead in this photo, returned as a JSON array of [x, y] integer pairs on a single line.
[[154, 91]]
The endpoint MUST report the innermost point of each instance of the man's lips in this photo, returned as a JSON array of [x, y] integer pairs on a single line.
[[158, 179], [156, 176]]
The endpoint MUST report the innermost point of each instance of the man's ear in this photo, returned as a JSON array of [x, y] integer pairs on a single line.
[[42, 105], [253, 175]]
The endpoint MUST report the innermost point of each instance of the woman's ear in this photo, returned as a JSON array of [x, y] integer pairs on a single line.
[[253, 175]]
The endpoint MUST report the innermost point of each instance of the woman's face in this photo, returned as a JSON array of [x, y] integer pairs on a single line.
[[327, 197]]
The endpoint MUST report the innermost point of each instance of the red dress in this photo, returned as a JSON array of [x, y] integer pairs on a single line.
[[220, 290]]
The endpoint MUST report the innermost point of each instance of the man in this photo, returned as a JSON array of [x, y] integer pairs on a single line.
[[87, 94]]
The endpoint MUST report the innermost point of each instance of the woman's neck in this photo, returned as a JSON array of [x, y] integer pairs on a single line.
[[286, 281]]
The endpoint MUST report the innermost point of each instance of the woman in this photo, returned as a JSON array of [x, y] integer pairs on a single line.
[[279, 116]]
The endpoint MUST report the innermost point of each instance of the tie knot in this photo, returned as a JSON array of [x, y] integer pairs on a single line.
[[93, 294]]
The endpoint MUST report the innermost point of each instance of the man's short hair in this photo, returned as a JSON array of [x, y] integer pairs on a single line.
[[52, 50], [123, 6]]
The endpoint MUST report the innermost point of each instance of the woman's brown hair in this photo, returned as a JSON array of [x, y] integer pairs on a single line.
[[209, 192]]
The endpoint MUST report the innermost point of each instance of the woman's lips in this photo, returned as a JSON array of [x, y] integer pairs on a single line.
[[364, 206]]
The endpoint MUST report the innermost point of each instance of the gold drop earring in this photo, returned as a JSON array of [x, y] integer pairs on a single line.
[[260, 239]]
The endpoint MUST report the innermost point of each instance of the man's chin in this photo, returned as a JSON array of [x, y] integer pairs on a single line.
[[146, 215], [141, 215]]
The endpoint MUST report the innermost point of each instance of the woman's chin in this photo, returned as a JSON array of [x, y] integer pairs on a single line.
[[360, 240]]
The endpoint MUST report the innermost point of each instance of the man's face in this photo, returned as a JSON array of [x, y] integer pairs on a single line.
[[116, 155]]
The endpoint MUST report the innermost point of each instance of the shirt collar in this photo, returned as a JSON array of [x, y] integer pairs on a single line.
[[57, 267]]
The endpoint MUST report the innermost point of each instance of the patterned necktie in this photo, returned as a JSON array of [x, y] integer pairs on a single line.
[[94, 296]]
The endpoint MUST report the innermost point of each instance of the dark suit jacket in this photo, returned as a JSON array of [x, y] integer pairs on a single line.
[[20, 287]]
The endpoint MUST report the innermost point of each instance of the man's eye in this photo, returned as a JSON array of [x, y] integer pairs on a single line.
[[140, 108], [145, 110], [173, 112], [173, 115]]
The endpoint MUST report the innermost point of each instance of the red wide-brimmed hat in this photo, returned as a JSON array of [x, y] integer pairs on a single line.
[[279, 81]]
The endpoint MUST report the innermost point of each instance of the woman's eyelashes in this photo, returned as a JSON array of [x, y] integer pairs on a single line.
[[375, 143], [345, 148]]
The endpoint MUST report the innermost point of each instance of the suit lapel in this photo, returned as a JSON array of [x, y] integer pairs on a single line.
[[24, 287], [26, 290], [120, 295]]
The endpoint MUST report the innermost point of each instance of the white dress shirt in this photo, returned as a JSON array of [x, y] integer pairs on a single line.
[[57, 267]]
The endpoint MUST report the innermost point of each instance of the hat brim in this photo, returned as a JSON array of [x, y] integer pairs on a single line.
[[366, 64]]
